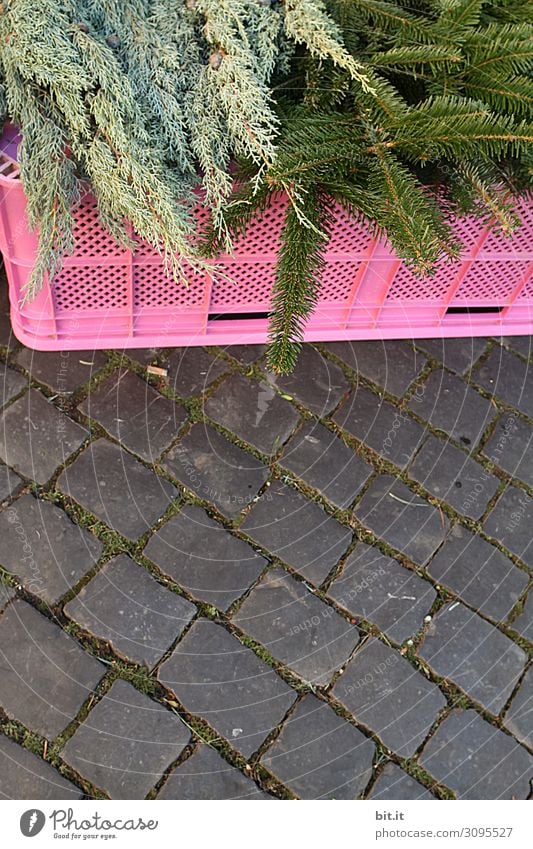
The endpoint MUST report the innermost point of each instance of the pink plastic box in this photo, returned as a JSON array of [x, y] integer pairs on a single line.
[[106, 297]]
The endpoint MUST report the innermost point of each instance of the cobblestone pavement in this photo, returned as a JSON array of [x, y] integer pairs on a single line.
[[223, 584]]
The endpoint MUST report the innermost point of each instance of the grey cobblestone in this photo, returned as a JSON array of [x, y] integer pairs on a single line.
[[376, 588], [318, 755], [510, 522], [253, 411], [296, 627], [524, 622], [453, 477], [124, 605], [378, 423], [192, 370], [462, 647], [479, 573], [319, 458], [118, 489], [46, 675], [214, 676], [316, 382], [453, 406], [391, 364], [510, 447], [127, 743], [215, 469], [389, 696], [9, 482], [394, 783], [476, 760], [507, 377], [518, 718], [36, 437], [205, 775], [298, 531], [44, 549], [135, 414], [61, 371], [26, 776], [11, 383], [199, 554], [403, 519], [458, 355]]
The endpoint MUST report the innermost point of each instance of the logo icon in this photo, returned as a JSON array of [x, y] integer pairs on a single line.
[[32, 822]]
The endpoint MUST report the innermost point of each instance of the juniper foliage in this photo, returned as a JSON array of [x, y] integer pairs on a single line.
[[137, 99], [361, 101]]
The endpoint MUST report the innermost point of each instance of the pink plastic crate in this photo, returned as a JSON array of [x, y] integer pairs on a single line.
[[106, 297]]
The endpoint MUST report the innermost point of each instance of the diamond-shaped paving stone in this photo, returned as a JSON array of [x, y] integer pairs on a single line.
[[519, 717], [381, 425], [36, 437], [298, 531], [476, 760], [524, 622], [296, 627], [508, 378], [479, 573], [404, 520], [316, 382], [9, 482], [126, 743], [124, 605], [135, 414], [458, 355], [386, 694], [143, 356], [452, 476], [318, 755], [511, 447], [214, 676], [117, 488], [205, 775], [26, 776], [44, 549], [216, 469], [254, 411], [474, 655], [246, 354], [522, 344], [11, 383], [61, 371], [322, 460], [452, 406], [376, 588], [46, 675], [394, 783], [393, 364], [510, 522], [193, 370], [203, 558]]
